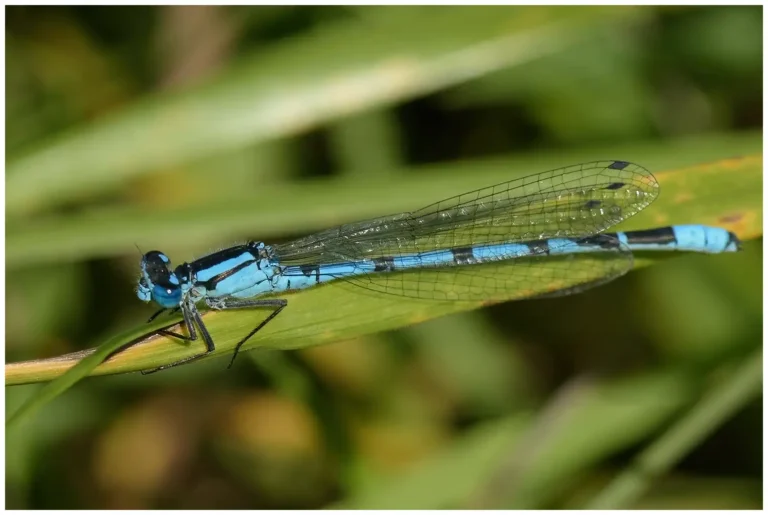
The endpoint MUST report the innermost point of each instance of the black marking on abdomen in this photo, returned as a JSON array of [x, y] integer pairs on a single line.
[[308, 270], [383, 264], [538, 247], [604, 241], [463, 256], [660, 235]]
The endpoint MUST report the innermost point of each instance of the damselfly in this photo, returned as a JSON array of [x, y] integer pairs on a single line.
[[494, 243]]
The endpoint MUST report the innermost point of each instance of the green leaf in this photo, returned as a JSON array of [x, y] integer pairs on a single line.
[[725, 193]]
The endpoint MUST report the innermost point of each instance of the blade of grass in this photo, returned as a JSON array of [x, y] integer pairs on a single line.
[[344, 68], [704, 194], [718, 406], [70, 372]]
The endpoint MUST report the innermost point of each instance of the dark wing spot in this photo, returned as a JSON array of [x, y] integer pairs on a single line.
[[618, 165], [614, 186], [592, 204]]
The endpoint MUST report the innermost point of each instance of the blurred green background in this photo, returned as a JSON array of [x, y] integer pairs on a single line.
[[188, 128]]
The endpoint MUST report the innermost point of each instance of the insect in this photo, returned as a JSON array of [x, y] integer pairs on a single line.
[[517, 239]]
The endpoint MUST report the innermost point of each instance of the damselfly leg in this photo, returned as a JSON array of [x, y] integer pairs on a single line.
[[192, 317]]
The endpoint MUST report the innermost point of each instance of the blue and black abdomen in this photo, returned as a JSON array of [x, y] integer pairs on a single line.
[[694, 238]]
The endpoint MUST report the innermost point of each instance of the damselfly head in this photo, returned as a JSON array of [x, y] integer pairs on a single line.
[[157, 282]]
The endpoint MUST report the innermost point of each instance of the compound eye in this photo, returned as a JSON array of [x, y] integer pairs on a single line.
[[166, 297], [156, 258], [156, 265]]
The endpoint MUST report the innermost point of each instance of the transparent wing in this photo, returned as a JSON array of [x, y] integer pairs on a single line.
[[576, 201], [539, 212]]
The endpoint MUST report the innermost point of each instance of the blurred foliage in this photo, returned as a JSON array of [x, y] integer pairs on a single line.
[[187, 128]]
